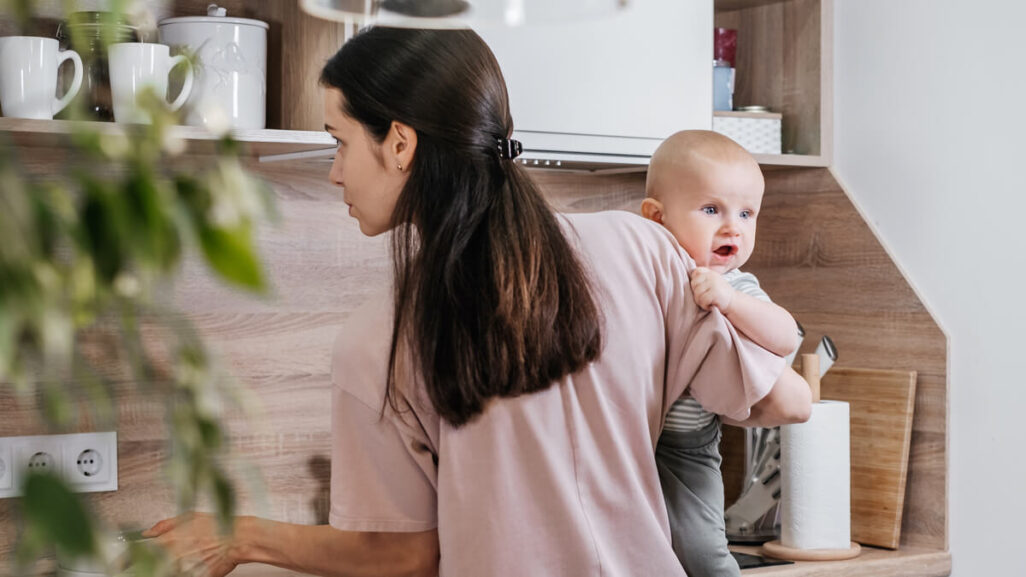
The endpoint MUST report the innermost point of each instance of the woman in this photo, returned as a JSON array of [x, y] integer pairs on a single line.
[[499, 414]]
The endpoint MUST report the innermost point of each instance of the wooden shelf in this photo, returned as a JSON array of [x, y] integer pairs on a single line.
[[729, 5], [784, 62], [873, 562], [255, 143], [785, 160]]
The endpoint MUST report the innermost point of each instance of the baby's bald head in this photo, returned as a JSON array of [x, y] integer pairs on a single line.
[[688, 154]]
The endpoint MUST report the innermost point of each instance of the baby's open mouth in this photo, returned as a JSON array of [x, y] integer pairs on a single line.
[[726, 250]]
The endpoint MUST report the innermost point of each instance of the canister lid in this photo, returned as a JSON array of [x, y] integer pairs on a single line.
[[215, 15]]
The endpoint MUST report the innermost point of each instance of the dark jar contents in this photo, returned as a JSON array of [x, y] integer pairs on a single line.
[[89, 33]]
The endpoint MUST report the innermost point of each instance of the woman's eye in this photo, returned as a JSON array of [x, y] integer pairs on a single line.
[[709, 209]]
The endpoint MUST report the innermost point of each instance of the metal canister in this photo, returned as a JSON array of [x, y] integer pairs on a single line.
[[89, 33]]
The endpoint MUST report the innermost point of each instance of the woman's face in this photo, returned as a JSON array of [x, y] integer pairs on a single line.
[[369, 175]]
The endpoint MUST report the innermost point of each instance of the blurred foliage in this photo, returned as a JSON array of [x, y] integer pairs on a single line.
[[87, 255]]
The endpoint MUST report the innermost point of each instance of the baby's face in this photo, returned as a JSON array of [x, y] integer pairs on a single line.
[[712, 213]]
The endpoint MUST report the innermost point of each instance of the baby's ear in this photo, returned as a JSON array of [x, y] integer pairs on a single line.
[[652, 209]]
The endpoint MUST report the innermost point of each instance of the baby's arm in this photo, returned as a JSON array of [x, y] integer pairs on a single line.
[[766, 323]]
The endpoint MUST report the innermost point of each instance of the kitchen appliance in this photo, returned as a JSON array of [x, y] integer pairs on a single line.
[[28, 76], [92, 31], [230, 58], [460, 13]]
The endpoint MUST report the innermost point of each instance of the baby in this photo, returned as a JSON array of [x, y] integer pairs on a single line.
[[707, 191]]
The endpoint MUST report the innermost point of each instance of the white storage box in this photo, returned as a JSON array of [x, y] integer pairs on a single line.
[[757, 132]]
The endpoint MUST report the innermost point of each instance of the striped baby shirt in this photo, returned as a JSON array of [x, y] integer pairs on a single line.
[[686, 414]]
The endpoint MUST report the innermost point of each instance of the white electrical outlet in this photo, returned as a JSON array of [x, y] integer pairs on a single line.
[[6, 467], [88, 461], [91, 461], [40, 454]]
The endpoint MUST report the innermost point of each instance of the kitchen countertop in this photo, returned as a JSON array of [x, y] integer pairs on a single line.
[[873, 562]]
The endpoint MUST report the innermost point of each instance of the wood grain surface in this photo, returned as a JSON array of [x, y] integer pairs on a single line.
[[814, 256], [780, 64], [881, 407]]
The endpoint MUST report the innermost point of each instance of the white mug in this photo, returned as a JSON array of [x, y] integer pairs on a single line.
[[134, 66], [28, 76]]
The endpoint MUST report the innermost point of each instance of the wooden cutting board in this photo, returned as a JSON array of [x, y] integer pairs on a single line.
[[881, 404]]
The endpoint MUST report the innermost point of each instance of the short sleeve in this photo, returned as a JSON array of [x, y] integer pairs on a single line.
[[747, 283], [722, 369], [382, 475]]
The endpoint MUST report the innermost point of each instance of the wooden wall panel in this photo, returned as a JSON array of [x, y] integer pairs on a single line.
[[814, 255], [817, 258], [278, 349]]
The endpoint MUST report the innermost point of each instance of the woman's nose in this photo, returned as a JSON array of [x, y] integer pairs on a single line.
[[335, 174]]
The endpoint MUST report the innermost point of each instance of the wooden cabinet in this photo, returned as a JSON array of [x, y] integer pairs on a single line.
[[785, 62]]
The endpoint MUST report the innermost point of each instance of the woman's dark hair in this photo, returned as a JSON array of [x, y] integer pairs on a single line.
[[489, 294]]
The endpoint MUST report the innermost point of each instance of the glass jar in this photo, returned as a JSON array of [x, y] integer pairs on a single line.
[[89, 33]]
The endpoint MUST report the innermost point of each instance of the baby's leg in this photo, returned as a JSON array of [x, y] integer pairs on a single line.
[[689, 471]]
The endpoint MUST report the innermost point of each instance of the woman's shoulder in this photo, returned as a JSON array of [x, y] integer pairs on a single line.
[[609, 235], [359, 362]]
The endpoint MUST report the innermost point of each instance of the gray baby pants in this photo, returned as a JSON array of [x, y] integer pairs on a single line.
[[689, 472]]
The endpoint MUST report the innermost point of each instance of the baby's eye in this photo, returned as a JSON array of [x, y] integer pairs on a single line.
[[746, 214], [709, 209]]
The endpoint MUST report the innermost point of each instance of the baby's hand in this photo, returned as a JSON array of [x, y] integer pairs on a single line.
[[711, 290]]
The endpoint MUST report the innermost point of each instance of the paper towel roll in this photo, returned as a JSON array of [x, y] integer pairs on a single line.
[[815, 483]]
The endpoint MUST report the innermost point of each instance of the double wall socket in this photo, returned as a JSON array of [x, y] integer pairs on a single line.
[[87, 461]]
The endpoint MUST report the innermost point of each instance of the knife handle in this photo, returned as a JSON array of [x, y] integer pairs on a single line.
[[810, 372]]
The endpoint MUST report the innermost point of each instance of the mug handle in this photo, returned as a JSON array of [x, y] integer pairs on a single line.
[[183, 95], [60, 103]]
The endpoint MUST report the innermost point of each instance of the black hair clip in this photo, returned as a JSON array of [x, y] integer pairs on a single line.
[[509, 148]]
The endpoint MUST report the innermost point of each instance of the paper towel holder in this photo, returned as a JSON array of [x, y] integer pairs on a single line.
[[774, 548]]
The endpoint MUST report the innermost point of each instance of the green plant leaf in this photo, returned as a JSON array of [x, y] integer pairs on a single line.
[[102, 227], [51, 509], [229, 251], [224, 496], [152, 227]]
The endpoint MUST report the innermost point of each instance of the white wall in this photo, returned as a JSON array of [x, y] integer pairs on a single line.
[[931, 144]]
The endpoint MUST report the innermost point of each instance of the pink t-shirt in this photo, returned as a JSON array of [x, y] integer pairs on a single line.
[[562, 481]]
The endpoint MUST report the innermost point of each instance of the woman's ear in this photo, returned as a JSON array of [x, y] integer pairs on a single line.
[[401, 144], [652, 209]]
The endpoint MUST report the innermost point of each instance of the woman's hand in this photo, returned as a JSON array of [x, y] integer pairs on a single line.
[[195, 541]]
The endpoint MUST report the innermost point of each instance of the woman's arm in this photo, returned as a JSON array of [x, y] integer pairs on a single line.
[[315, 549], [788, 402]]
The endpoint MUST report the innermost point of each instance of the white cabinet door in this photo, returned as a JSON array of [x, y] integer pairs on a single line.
[[614, 86]]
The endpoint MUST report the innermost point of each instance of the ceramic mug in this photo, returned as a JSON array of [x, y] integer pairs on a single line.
[[28, 76], [134, 66]]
